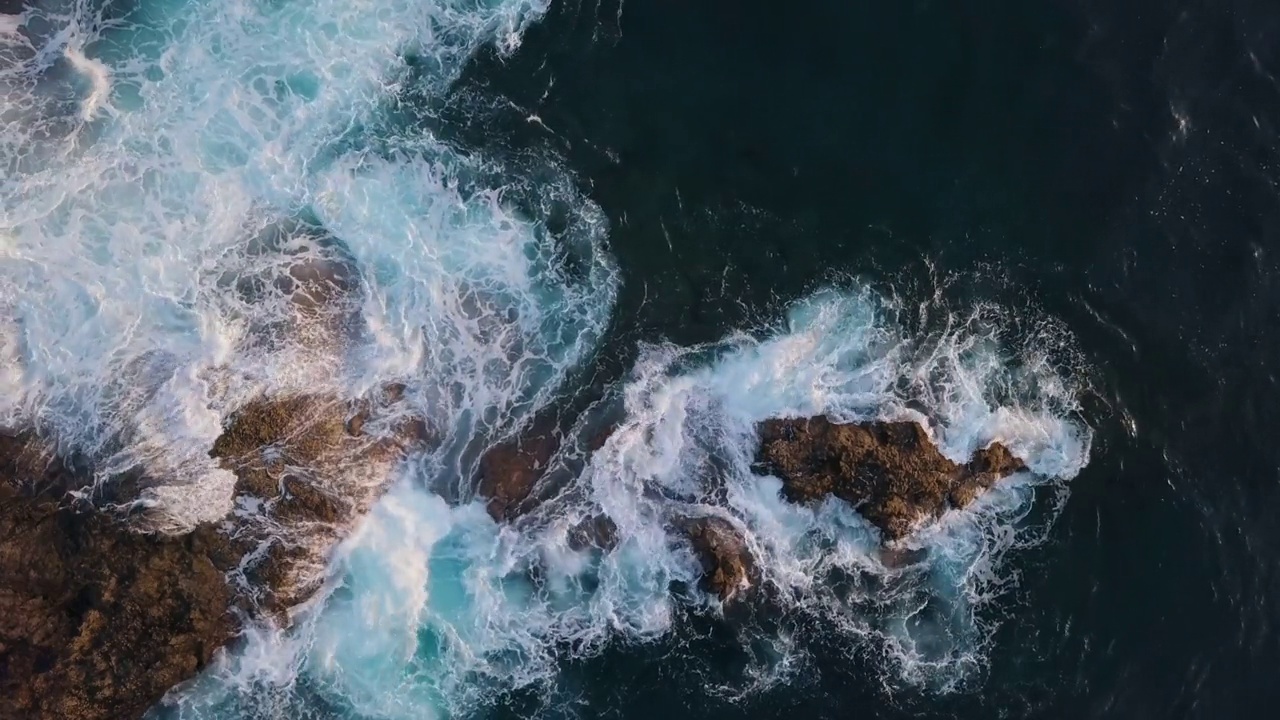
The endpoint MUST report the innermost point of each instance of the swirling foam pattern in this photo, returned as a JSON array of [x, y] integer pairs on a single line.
[[166, 163]]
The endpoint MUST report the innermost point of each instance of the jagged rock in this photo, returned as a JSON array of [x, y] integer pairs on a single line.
[[309, 463], [891, 472], [727, 564], [98, 621], [509, 471]]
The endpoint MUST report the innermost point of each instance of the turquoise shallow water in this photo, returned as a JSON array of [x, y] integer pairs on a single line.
[[1046, 225]]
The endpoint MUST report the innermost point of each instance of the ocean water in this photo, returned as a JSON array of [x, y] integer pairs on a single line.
[[1045, 225]]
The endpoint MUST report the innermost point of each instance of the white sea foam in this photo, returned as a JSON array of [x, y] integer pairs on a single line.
[[10, 26], [146, 172], [438, 609], [98, 76], [158, 186]]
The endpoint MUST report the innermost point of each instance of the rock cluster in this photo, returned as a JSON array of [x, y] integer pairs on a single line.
[[98, 621], [890, 472]]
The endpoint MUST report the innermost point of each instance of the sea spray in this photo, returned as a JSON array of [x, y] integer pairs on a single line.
[[184, 132], [141, 178], [491, 608]]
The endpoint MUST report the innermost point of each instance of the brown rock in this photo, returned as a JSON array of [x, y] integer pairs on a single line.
[[314, 474], [509, 471], [889, 471], [96, 621], [727, 564]]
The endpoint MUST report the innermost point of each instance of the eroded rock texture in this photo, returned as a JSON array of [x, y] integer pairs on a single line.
[[727, 563], [98, 621], [891, 472]]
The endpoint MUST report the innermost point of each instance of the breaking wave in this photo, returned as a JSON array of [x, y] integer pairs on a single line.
[[179, 170], [179, 176], [436, 610]]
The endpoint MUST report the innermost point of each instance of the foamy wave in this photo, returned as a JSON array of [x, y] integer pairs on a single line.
[[436, 610], [183, 173], [183, 183]]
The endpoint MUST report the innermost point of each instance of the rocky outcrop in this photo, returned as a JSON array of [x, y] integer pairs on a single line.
[[510, 471], [98, 621], [891, 472], [727, 564], [306, 469]]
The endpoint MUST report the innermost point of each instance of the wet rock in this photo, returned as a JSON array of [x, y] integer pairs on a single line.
[[299, 260], [96, 621], [598, 531], [727, 563], [311, 474], [891, 472], [509, 471]]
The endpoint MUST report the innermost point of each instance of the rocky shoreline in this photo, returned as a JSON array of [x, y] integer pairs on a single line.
[[890, 472], [98, 621]]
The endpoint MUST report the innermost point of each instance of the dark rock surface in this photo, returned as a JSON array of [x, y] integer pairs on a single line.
[[728, 567], [510, 471], [98, 621], [891, 472], [598, 531]]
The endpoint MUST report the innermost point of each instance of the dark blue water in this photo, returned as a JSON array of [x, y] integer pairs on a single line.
[[1113, 164]]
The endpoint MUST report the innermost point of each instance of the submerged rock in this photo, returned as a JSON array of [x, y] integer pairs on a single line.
[[98, 621], [891, 472], [727, 564]]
